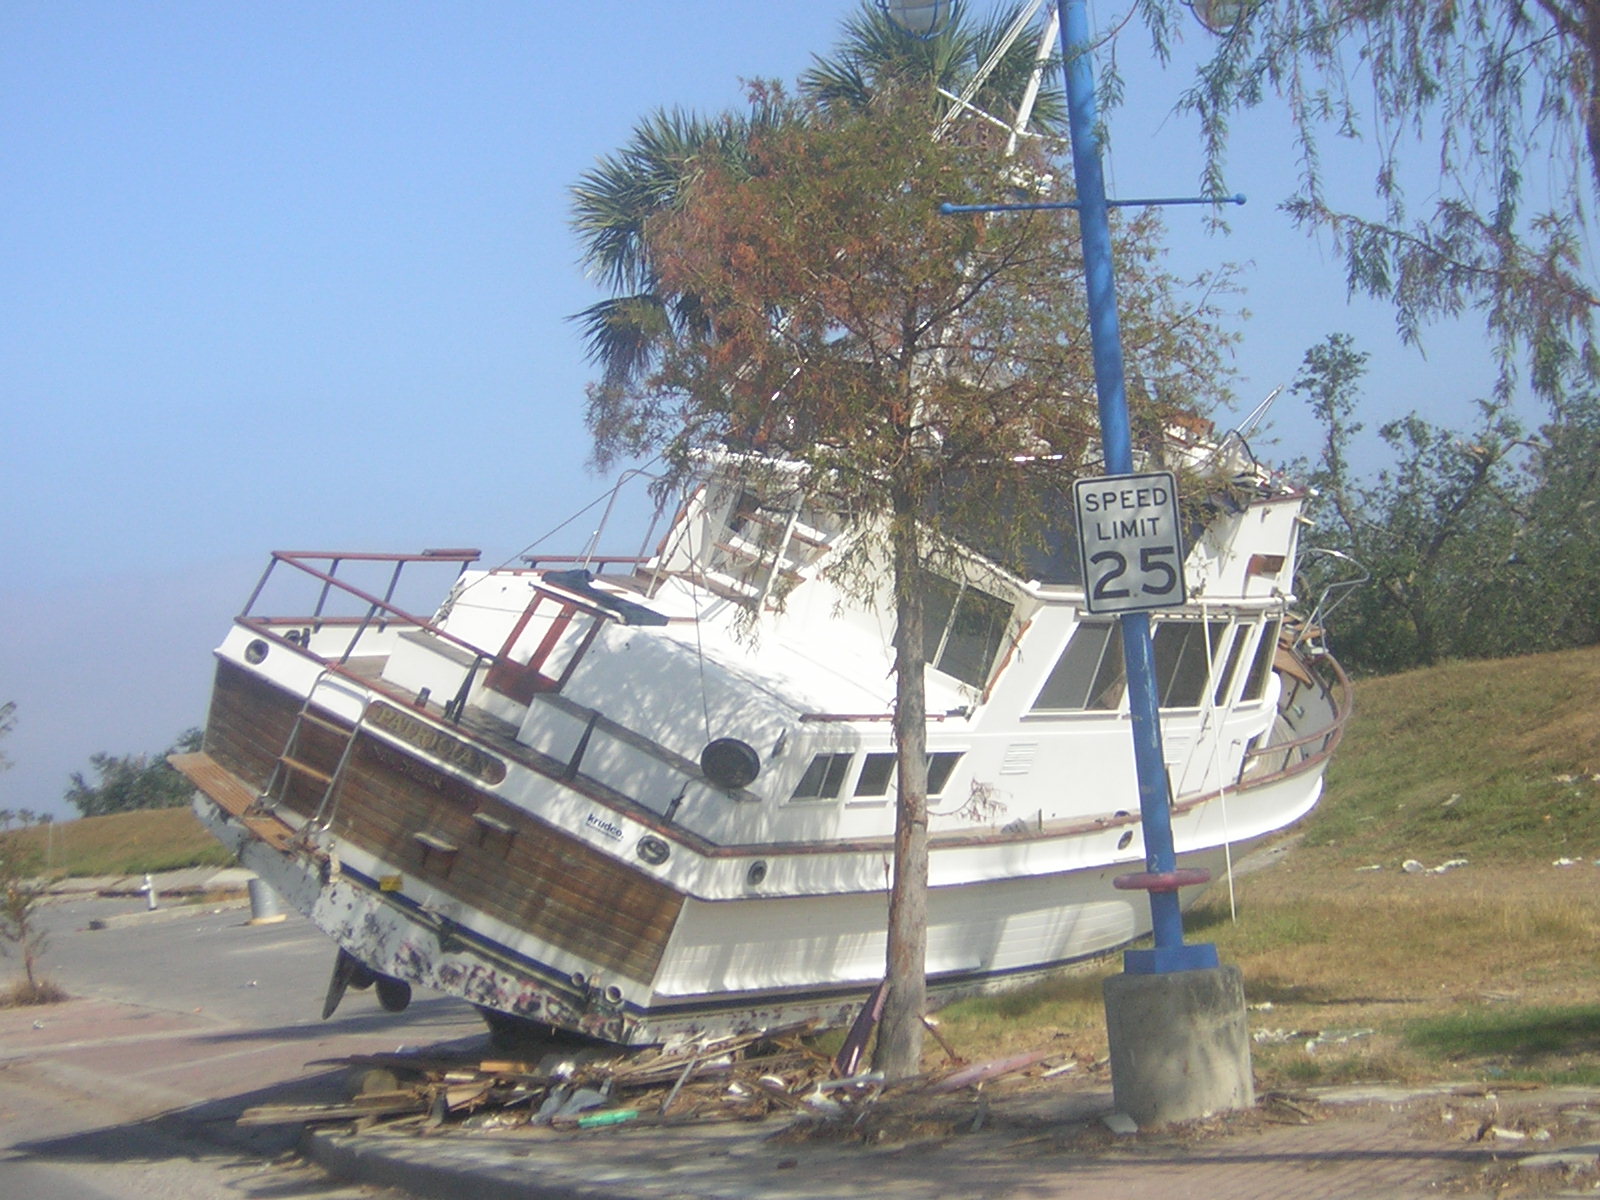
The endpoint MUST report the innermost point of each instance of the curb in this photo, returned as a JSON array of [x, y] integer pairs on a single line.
[[430, 1171], [156, 915], [736, 1162]]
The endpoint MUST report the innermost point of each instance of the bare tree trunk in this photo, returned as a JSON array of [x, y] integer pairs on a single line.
[[899, 1047]]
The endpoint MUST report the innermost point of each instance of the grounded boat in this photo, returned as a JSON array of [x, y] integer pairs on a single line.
[[638, 798]]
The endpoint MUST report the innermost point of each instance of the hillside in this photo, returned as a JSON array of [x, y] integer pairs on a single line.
[[1495, 762], [158, 839], [1357, 969]]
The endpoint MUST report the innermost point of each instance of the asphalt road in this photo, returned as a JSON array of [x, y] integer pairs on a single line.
[[130, 1090]]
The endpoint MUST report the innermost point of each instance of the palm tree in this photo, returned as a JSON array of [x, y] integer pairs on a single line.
[[612, 203], [875, 52], [611, 206], [627, 334]]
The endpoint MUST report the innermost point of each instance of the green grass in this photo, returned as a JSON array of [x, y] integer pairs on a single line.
[[1355, 974], [1548, 1045], [1491, 761], [160, 839]]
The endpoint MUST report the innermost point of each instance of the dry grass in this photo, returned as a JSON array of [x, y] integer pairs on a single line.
[[1487, 971], [23, 994], [1478, 973], [158, 839]]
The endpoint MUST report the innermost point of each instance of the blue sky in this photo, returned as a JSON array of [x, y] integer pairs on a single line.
[[296, 275]]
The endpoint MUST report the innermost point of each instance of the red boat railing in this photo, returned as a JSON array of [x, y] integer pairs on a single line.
[[1289, 757], [513, 678]]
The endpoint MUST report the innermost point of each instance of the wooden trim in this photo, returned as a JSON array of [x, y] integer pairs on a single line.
[[534, 876], [554, 770], [229, 794]]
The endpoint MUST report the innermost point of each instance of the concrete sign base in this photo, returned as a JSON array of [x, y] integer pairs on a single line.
[[1180, 1045]]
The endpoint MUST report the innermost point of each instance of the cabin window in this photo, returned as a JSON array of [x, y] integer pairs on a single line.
[[823, 778], [763, 545], [940, 766], [744, 514], [963, 628], [1089, 674], [1219, 696], [1184, 651], [876, 771], [1255, 684]]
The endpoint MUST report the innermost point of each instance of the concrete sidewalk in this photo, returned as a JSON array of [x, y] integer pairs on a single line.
[[1348, 1144], [191, 892], [190, 881]]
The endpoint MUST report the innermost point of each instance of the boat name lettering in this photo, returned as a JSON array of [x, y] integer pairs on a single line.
[[424, 773], [419, 734], [610, 828]]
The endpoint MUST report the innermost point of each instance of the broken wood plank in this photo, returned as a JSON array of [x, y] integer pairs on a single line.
[[376, 1104]]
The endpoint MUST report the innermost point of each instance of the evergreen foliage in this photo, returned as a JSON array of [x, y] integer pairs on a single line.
[[128, 782], [789, 289], [1461, 100], [21, 891], [1478, 541]]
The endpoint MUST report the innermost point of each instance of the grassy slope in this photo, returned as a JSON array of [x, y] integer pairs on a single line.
[[161, 839], [1486, 970], [1490, 761]]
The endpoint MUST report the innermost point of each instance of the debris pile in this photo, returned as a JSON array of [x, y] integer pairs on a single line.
[[743, 1078]]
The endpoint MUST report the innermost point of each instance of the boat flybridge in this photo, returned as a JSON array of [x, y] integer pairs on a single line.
[[655, 796]]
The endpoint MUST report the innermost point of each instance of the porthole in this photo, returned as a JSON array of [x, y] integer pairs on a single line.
[[255, 652], [1125, 840], [653, 850], [756, 874]]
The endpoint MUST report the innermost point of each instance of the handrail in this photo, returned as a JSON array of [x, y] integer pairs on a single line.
[[384, 605], [375, 604], [1340, 701], [533, 560]]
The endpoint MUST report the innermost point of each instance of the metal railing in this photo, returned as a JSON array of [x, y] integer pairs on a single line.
[[1289, 757], [380, 610]]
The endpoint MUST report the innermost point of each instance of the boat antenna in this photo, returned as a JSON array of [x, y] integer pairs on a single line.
[[606, 497], [1248, 426]]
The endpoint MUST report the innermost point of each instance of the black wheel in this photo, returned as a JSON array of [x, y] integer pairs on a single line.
[[394, 994]]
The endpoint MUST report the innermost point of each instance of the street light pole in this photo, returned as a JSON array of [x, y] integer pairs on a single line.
[[1161, 877], [1175, 1018]]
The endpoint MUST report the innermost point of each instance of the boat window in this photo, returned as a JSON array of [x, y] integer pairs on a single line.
[[823, 778], [940, 766], [1183, 652], [766, 543], [1089, 673], [744, 513], [875, 772], [1241, 634], [1255, 685], [963, 628]]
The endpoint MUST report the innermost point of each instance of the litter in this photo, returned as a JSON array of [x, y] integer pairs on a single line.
[[747, 1077]]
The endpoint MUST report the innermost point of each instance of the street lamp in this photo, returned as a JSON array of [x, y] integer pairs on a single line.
[[1220, 16], [924, 18]]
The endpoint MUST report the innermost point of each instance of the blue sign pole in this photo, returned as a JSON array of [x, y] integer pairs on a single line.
[[1162, 877]]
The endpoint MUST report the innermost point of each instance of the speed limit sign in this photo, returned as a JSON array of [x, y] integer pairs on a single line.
[[1130, 543]]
